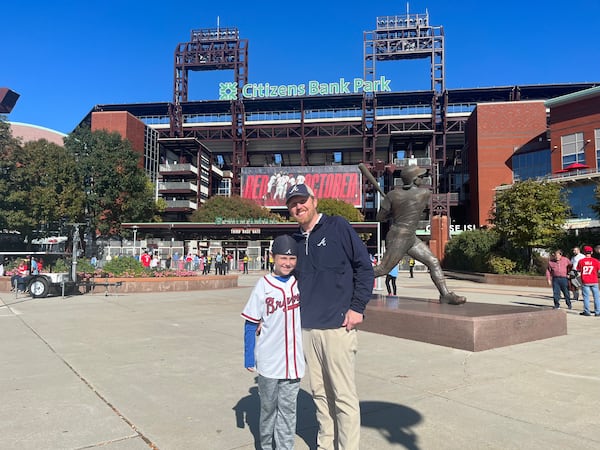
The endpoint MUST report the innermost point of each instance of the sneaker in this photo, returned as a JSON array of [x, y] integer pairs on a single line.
[[584, 314], [556, 307], [570, 306]]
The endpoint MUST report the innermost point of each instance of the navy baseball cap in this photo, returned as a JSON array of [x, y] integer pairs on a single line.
[[284, 245], [299, 190]]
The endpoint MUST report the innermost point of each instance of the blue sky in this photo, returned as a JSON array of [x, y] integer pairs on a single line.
[[64, 57]]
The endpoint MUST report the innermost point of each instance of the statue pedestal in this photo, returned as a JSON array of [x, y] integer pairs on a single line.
[[472, 326]]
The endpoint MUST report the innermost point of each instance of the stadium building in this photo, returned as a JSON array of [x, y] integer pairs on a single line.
[[257, 138]]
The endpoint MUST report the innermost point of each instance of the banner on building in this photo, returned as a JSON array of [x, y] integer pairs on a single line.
[[267, 185]]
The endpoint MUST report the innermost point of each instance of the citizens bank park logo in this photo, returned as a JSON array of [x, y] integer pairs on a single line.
[[229, 90]]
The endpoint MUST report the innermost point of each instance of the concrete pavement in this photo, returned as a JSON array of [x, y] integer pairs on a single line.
[[165, 371]]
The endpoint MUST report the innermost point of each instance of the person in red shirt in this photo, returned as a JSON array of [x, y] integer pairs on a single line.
[[588, 267], [145, 259], [20, 279], [556, 274]]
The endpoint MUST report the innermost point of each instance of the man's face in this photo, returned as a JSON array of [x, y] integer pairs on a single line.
[[304, 211]]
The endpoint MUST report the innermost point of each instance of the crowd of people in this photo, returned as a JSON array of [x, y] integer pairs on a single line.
[[23, 273], [569, 276], [221, 263]]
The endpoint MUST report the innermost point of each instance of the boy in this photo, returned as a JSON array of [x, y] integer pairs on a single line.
[[273, 325]]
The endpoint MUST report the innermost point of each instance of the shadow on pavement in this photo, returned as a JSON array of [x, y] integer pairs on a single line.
[[393, 421], [247, 413]]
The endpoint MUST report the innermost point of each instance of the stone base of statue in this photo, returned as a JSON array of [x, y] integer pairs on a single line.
[[471, 326]]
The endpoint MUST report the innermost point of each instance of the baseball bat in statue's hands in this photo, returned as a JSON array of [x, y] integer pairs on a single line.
[[369, 176]]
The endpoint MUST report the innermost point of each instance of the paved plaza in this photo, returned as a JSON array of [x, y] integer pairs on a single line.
[[165, 371]]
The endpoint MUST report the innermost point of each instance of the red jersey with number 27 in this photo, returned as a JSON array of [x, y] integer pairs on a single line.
[[588, 267]]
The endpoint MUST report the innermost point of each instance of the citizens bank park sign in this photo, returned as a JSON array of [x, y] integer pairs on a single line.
[[267, 186], [229, 90]]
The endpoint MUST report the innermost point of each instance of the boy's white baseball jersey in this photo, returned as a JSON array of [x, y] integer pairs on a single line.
[[278, 350]]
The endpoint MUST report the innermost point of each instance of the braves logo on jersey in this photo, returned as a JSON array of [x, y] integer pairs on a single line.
[[286, 303]]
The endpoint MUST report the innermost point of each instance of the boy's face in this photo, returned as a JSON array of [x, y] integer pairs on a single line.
[[283, 265]]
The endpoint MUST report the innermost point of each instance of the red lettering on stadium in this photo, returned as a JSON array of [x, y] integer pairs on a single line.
[[268, 188]]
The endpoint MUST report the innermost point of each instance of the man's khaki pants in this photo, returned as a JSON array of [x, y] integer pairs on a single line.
[[330, 357]]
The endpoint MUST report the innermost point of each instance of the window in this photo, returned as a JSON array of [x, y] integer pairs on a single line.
[[572, 149], [531, 165], [597, 143], [224, 187]]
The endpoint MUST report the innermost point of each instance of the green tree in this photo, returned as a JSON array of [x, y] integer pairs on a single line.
[[233, 207], [471, 250], [8, 146], [335, 207], [596, 206], [45, 189], [116, 188], [39, 188], [530, 214]]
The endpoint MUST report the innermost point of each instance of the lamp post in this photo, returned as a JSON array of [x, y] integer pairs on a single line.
[[135, 228]]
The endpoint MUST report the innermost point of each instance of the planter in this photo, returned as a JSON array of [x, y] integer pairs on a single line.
[[170, 284], [493, 278], [156, 284]]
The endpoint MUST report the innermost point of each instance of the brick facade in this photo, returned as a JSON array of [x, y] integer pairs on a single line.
[[493, 133], [124, 123]]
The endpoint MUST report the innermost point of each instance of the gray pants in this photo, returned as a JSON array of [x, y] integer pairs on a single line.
[[277, 412]]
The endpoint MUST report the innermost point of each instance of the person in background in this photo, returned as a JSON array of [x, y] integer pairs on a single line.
[[588, 267], [575, 277], [35, 269], [273, 346], [335, 278], [390, 280], [154, 262], [411, 267], [145, 259], [557, 276], [18, 281]]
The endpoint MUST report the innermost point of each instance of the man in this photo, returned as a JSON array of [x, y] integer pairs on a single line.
[[35, 270], [556, 274], [335, 278], [404, 207], [588, 267], [576, 282], [145, 259]]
